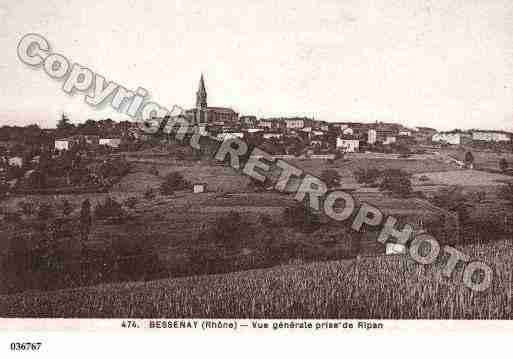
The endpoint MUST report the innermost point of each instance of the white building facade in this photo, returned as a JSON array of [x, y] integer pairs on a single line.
[[348, 145], [110, 142], [63, 145], [452, 138], [372, 136], [491, 136]]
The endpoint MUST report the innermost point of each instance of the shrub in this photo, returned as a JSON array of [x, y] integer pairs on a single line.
[[419, 194], [67, 208], [367, 176], [154, 171], [330, 177], [506, 193], [397, 182], [4, 189], [454, 200], [503, 164], [266, 220], [302, 216], [130, 202], [28, 208], [480, 196], [257, 186], [85, 214], [114, 168], [204, 259], [45, 212], [227, 229], [149, 194], [12, 217], [37, 179], [403, 150], [469, 158], [174, 181], [108, 209]]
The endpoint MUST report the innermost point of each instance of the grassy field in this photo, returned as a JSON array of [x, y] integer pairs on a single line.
[[467, 178], [354, 161], [482, 159], [223, 178], [383, 287], [217, 177]]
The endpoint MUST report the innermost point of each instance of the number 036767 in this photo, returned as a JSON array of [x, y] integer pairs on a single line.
[[26, 346]]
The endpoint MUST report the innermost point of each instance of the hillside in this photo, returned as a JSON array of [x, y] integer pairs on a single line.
[[382, 287]]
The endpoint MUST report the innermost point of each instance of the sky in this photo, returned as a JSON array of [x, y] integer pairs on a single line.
[[444, 64]]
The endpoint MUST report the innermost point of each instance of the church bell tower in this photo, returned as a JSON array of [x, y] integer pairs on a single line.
[[201, 102]]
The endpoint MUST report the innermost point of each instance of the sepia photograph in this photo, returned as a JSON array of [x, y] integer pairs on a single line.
[[255, 165]]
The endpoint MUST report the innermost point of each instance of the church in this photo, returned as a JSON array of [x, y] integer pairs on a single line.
[[204, 115]]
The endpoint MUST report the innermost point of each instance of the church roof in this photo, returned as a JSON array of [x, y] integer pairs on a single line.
[[227, 109], [202, 85]]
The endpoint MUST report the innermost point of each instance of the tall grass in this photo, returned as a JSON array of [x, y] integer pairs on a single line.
[[384, 287]]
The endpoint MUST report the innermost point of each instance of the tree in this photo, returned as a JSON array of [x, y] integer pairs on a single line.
[[114, 168], [45, 212], [302, 216], [67, 208], [397, 182], [110, 208], [38, 179], [367, 176], [174, 181], [85, 219], [256, 185], [64, 126], [453, 199], [12, 217], [469, 159], [266, 220], [89, 127], [503, 164], [4, 189], [403, 150], [149, 194], [130, 202], [268, 231], [330, 177], [28, 208], [154, 171], [506, 193], [480, 196], [227, 229], [448, 198]]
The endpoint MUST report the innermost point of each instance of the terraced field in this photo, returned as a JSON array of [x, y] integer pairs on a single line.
[[384, 287], [468, 178]]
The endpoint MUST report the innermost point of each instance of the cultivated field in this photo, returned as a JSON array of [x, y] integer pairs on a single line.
[[482, 159], [354, 161], [217, 177], [226, 179], [467, 178], [384, 287]]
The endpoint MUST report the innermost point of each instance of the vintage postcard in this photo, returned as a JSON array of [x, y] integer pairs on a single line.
[[231, 167]]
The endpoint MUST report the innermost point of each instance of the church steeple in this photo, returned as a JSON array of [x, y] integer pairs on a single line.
[[201, 95], [201, 103]]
